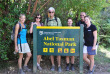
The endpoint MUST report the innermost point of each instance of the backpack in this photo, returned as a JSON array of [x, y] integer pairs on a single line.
[[18, 36], [13, 32], [53, 19]]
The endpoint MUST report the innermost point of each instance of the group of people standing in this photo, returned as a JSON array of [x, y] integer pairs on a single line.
[[89, 49]]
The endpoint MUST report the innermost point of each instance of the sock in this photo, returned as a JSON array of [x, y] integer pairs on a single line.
[[72, 64], [25, 65], [20, 69], [53, 65], [58, 65], [67, 64], [38, 64]]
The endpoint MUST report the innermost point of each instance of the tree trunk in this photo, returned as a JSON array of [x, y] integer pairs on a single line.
[[34, 9]]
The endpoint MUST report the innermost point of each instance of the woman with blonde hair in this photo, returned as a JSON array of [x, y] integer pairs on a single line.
[[21, 45]]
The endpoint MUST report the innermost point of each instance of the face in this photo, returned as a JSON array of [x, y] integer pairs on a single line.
[[51, 13], [70, 22], [87, 20], [22, 19], [38, 18], [82, 15]]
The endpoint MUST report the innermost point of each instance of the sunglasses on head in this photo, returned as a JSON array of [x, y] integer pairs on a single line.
[[51, 12]]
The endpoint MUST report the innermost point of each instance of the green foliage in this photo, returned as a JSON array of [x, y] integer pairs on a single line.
[[10, 10], [105, 26]]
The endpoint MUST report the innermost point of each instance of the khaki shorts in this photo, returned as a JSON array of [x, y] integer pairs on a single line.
[[25, 48]]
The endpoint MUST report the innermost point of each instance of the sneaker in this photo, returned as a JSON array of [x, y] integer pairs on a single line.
[[21, 71], [53, 68], [59, 69], [90, 72], [67, 68], [39, 68], [72, 68], [25, 68]]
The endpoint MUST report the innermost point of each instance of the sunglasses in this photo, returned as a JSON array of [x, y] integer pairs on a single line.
[[51, 12], [38, 17], [81, 15]]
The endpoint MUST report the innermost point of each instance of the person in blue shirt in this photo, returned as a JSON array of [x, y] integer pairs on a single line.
[[21, 45]]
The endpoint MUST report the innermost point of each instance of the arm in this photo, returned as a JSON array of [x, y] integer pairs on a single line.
[[95, 39], [15, 40], [31, 28]]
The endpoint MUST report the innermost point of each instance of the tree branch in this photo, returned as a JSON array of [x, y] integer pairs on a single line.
[[43, 6], [29, 7]]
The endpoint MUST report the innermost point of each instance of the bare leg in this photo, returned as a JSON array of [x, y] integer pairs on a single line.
[[67, 59], [27, 58], [52, 60], [59, 60], [91, 62], [85, 58], [20, 60], [38, 59], [72, 59]]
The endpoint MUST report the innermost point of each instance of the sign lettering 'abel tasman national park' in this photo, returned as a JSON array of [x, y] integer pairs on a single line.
[[64, 41]]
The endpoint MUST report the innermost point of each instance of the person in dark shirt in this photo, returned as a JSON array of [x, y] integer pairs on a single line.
[[82, 15], [89, 49]]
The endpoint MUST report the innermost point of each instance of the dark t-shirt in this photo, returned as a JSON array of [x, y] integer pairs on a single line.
[[80, 22], [88, 35]]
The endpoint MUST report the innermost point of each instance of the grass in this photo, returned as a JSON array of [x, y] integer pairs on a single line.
[[103, 55]]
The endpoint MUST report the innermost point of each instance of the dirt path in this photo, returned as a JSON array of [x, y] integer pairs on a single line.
[[46, 65]]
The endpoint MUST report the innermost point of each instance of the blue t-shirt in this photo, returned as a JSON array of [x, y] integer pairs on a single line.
[[22, 37]]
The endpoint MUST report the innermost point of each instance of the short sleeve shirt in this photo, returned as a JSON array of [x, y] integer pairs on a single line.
[[88, 35], [53, 22], [81, 22]]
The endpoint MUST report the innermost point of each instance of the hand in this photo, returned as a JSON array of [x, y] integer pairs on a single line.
[[16, 49], [94, 48]]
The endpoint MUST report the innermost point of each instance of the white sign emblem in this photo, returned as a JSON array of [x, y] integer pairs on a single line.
[[41, 32]]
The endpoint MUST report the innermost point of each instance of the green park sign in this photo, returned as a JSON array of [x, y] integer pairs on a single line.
[[64, 41]]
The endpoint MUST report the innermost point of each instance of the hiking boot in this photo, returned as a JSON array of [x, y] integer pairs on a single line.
[[21, 71], [53, 68], [59, 69], [72, 68], [25, 68], [39, 68], [67, 68]]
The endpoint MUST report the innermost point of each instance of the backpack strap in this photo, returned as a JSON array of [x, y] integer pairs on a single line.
[[19, 30], [19, 35], [47, 20], [56, 20]]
